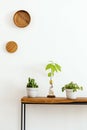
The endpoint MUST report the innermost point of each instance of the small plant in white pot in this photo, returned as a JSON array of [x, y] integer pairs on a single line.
[[71, 89], [32, 88]]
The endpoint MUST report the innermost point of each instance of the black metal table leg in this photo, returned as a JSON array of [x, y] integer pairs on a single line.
[[23, 116]]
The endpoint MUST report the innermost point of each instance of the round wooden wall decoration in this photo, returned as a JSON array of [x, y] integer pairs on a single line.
[[21, 18], [11, 46]]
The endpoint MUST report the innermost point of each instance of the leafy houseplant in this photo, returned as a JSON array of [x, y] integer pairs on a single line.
[[71, 88], [31, 83], [53, 68], [32, 87]]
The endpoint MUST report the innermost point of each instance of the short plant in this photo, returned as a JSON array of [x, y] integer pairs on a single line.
[[31, 83], [73, 86]]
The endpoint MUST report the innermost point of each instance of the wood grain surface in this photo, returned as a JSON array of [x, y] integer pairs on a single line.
[[21, 18], [57, 100], [11, 46]]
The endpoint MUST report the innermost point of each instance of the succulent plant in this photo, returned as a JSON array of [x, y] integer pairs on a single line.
[[31, 83]]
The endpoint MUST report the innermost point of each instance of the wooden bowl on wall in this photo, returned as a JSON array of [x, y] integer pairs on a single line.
[[11, 46], [21, 18]]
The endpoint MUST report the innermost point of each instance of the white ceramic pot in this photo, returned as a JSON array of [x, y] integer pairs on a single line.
[[70, 94], [32, 92]]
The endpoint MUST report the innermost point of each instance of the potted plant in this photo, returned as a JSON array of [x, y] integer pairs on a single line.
[[32, 88], [53, 68], [71, 89]]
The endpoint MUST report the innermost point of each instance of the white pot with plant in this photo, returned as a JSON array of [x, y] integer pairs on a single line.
[[71, 89], [32, 88], [52, 68]]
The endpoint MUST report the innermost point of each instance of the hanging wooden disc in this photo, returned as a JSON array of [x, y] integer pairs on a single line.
[[11, 46], [21, 18]]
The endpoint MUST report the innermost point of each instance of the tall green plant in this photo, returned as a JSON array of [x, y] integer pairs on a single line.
[[52, 68]]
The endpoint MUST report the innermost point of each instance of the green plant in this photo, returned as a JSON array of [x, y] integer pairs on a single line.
[[73, 86], [31, 83], [53, 67]]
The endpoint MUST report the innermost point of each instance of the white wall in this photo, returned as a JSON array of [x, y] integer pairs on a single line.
[[58, 32]]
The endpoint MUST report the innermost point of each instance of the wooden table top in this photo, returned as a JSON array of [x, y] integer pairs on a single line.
[[57, 100]]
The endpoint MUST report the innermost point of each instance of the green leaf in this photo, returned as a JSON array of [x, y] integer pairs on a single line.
[[50, 66], [58, 67], [50, 74]]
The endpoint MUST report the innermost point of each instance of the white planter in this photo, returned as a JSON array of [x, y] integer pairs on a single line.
[[32, 92], [70, 94]]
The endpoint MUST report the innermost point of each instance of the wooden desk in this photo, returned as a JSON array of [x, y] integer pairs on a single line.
[[44, 100]]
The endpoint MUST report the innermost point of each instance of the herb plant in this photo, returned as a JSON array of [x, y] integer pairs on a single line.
[[73, 86]]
